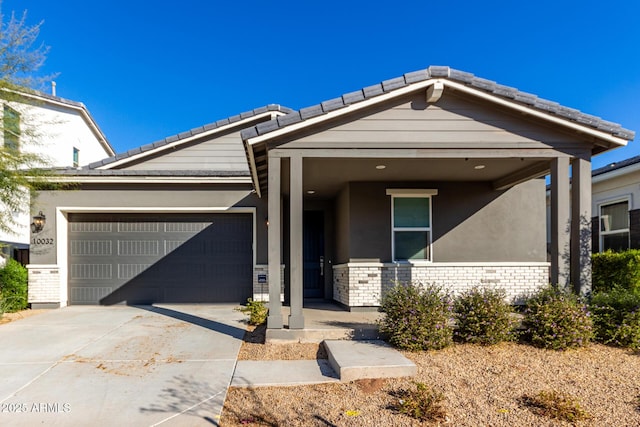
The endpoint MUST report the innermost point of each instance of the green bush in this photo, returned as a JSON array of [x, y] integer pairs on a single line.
[[616, 317], [13, 286], [616, 269], [417, 317], [557, 320], [483, 317], [256, 310]]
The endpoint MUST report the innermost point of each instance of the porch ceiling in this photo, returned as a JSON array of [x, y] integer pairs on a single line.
[[327, 176]]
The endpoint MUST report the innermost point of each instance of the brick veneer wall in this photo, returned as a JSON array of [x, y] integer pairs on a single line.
[[44, 285], [363, 284]]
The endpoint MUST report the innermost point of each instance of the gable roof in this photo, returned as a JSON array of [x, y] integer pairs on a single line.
[[447, 74], [434, 80], [74, 105], [149, 149]]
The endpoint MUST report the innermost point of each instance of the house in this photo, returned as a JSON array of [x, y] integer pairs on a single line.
[[434, 176], [616, 206], [61, 131]]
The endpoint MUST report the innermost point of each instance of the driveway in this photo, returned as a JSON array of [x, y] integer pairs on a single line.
[[166, 365]]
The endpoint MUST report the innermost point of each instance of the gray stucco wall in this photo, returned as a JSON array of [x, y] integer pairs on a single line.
[[342, 225], [150, 196], [471, 222]]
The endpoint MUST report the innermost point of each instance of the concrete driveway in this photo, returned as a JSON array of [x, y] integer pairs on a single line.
[[166, 365]]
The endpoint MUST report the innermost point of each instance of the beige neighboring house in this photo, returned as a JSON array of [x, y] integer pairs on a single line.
[[62, 131], [616, 206]]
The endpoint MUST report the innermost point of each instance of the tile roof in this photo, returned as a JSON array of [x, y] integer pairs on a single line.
[[189, 133], [462, 77], [616, 165]]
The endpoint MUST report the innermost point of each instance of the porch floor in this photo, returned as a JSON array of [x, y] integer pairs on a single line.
[[327, 321]]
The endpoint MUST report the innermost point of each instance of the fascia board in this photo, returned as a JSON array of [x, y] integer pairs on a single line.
[[150, 180]]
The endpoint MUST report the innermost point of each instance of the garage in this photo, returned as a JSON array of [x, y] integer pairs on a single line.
[[160, 258]]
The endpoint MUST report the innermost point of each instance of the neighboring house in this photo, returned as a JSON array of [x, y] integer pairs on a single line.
[[434, 176], [61, 131], [616, 206]]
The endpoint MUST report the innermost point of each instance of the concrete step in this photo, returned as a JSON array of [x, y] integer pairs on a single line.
[[353, 360], [277, 373]]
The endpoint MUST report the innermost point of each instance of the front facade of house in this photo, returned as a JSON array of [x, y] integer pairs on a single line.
[[60, 130], [431, 177]]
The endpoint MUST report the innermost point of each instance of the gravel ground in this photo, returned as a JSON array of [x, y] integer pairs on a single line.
[[482, 386]]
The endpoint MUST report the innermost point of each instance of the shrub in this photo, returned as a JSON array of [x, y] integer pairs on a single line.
[[483, 317], [422, 403], [13, 286], [556, 405], [616, 317], [417, 317], [256, 310], [616, 269], [557, 320]]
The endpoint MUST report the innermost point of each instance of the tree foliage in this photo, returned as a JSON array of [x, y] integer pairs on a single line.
[[23, 169]]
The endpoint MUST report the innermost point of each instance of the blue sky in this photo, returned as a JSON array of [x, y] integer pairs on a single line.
[[147, 70]]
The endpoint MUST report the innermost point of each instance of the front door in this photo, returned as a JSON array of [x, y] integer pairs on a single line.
[[313, 254]]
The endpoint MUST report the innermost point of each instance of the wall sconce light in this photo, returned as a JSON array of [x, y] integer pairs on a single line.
[[38, 222], [266, 222]]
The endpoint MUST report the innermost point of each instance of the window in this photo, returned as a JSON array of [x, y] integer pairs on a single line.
[[411, 224], [614, 226], [76, 157], [11, 125]]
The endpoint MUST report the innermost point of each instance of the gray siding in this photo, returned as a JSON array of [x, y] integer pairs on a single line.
[[224, 153], [452, 122], [157, 197], [471, 222]]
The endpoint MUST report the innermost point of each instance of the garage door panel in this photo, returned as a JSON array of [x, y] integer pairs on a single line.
[[170, 258]]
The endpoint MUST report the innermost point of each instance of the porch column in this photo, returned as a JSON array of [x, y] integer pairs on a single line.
[[296, 319], [581, 224], [274, 321], [560, 222]]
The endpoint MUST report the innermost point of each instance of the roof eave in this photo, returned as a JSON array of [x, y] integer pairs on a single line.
[[574, 126]]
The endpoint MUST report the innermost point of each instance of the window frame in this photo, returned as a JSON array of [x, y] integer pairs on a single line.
[[76, 157], [412, 193], [602, 234], [7, 127]]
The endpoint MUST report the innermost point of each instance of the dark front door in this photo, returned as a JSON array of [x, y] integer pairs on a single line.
[[313, 254]]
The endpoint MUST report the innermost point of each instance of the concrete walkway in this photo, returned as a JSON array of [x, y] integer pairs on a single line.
[[348, 361]]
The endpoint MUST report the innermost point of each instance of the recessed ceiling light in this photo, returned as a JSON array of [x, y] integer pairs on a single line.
[[380, 167], [478, 167], [311, 191]]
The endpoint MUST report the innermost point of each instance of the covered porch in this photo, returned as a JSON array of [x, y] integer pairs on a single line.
[[434, 182]]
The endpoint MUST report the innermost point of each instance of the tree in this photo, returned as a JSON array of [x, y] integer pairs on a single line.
[[22, 169]]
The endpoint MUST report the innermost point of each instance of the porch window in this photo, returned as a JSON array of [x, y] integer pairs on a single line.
[[614, 226], [411, 224]]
